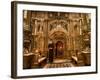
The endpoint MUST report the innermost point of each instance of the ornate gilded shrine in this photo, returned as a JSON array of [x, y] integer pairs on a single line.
[[70, 32]]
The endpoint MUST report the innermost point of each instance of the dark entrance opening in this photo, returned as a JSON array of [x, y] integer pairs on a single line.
[[59, 49]]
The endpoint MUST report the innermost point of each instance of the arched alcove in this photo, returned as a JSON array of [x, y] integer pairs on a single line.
[[59, 38]]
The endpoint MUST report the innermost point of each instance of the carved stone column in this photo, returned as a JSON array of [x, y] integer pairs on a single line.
[[45, 29]]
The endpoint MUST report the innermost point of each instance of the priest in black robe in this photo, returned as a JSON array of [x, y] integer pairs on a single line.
[[51, 51]]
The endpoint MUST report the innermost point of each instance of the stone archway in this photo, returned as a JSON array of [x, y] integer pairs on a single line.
[[59, 38]]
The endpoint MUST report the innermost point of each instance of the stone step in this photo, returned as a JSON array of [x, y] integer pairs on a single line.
[[59, 65]]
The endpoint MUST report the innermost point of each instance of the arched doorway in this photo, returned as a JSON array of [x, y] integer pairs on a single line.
[[59, 38], [59, 49]]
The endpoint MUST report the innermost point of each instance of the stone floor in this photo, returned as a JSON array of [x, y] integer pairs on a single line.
[[59, 63]]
